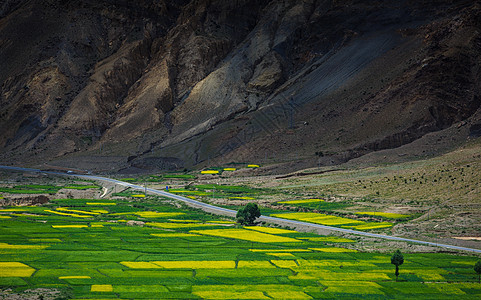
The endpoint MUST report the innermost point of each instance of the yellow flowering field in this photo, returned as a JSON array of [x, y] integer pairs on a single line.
[[249, 291], [304, 275], [303, 201], [383, 214], [230, 295], [345, 276], [122, 214], [15, 269], [259, 264], [190, 264], [453, 288], [138, 196], [247, 235], [184, 259], [354, 287], [426, 274], [370, 226], [173, 234], [221, 222], [354, 290], [78, 211], [333, 250], [229, 169], [209, 172], [101, 288], [194, 264], [361, 283], [316, 264], [154, 214], [333, 221], [75, 277], [280, 254], [177, 225], [12, 209], [287, 264], [70, 226], [293, 295], [242, 198], [46, 240], [318, 218], [8, 246], [67, 214], [5, 217], [270, 229], [253, 166], [280, 250]]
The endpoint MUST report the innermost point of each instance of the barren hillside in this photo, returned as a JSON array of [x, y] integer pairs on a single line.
[[149, 85]]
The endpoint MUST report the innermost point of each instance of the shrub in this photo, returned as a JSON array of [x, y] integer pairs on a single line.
[[397, 259], [477, 269], [248, 214]]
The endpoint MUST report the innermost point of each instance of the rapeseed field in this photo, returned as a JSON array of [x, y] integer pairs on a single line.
[[122, 250]]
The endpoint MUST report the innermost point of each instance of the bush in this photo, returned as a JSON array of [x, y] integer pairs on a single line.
[[248, 214]]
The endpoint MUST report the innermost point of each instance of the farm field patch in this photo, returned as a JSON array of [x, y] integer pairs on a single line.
[[151, 250], [333, 220], [303, 201], [44, 189]]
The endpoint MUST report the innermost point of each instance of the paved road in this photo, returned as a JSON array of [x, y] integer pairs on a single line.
[[229, 212]]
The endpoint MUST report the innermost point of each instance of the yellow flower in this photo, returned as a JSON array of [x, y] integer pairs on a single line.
[[247, 235], [209, 172], [101, 288]]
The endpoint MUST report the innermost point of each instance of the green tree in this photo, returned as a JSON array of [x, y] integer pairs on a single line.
[[477, 269], [248, 214], [397, 259]]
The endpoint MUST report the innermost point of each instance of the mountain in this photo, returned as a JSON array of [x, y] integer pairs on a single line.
[[149, 85]]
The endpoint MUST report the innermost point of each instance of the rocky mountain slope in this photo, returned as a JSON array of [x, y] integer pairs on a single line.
[[172, 84]]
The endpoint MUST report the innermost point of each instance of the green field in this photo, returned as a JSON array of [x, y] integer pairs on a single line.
[[44, 189], [100, 249]]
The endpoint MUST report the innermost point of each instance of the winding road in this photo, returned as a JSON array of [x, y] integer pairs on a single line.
[[231, 213]]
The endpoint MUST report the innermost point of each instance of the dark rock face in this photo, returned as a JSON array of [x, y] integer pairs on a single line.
[[177, 83]]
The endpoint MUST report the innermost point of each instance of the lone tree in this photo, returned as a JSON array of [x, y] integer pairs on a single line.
[[248, 214], [477, 269], [397, 259]]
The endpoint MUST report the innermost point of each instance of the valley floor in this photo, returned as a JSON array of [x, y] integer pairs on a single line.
[[85, 243]]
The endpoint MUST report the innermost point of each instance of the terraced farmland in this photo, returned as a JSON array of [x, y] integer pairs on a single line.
[[91, 249]]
